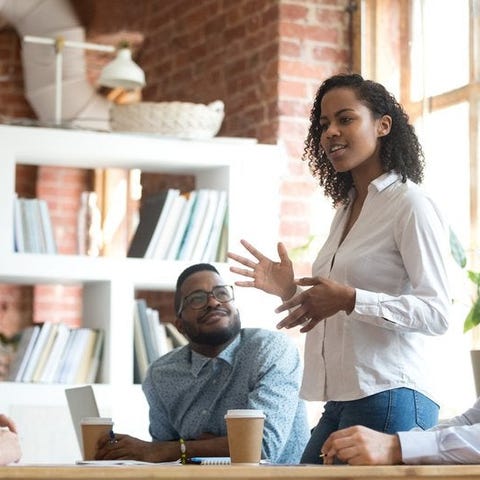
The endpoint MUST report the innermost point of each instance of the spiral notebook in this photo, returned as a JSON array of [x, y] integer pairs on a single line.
[[209, 460]]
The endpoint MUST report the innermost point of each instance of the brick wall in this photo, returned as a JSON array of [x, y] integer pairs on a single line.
[[313, 45], [263, 58]]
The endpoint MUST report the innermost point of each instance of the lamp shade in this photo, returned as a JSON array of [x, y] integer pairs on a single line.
[[122, 72]]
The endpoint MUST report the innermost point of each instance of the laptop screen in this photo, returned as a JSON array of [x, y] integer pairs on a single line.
[[81, 403]]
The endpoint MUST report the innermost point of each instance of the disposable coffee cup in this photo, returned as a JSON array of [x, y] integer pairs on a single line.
[[245, 435], [92, 429]]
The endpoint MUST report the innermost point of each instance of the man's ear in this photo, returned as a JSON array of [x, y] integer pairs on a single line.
[[179, 324], [384, 125]]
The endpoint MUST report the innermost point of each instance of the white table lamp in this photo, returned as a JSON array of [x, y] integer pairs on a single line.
[[120, 72]]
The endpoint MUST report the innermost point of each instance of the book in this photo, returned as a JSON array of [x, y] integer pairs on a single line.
[[150, 212], [44, 354], [169, 228], [96, 357], [194, 224], [30, 225], [47, 234], [222, 248], [178, 340], [56, 352], [42, 340], [146, 330], [210, 252], [82, 337], [139, 348], [153, 318], [86, 358], [205, 227], [22, 354], [174, 246], [164, 345], [19, 241], [172, 193]]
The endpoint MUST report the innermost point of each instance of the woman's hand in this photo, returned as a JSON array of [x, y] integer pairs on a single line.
[[325, 298], [7, 422], [272, 277], [362, 446]]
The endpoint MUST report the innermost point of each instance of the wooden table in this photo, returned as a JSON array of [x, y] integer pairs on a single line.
[[221, 472]]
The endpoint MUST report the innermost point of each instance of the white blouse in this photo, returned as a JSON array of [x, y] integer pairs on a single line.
[[395, 256]]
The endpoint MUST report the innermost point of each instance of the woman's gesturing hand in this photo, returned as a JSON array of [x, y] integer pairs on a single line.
[[276, 278], [325, 298]]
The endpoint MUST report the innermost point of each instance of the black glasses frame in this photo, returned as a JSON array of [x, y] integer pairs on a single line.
[[186, 300]]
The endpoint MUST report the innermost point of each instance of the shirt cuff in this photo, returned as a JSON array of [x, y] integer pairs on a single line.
[[367, 303], [418, 445]]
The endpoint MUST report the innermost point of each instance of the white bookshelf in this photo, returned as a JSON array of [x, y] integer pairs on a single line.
[[248, 171]]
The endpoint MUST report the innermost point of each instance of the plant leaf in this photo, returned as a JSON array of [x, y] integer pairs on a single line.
[[473, 317], [474, 277]]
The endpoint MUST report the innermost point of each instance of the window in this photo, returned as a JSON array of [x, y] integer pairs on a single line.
[[426, 53]]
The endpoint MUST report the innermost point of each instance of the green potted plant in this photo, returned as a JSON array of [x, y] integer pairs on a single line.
[[473, 316]]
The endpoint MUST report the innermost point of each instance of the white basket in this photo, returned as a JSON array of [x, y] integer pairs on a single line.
[[174, 119]]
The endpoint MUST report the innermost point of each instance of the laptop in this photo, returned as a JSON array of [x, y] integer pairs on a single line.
[[81, 403]]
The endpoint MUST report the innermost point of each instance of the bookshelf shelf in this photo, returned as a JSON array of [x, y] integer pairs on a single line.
[[249, 172]]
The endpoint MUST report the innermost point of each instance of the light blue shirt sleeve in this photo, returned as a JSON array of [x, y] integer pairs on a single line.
[[276, 393]]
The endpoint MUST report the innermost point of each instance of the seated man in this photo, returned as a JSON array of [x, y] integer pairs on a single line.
[[454, 441], [9, 444], [190, 389]]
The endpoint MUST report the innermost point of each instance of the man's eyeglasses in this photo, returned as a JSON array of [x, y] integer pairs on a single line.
[[199, 298]]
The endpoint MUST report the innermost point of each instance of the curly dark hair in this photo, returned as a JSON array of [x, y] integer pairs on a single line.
[[400, 150]]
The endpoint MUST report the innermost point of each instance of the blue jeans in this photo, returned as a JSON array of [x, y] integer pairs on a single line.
[[391, 411]]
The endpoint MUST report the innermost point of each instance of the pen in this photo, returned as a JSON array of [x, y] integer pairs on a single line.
[[112, 437]]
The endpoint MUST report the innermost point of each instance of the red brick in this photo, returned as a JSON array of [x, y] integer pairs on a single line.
[[292, 12]]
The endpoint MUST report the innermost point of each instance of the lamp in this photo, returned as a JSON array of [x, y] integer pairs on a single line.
[[121, 72]]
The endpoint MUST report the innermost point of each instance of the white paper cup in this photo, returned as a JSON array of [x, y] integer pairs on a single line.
[[245, 435], [92, 429]]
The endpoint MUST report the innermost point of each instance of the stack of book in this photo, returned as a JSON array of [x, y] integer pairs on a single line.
[[56, 353], [152, 338], [33, 229], [188, 226]]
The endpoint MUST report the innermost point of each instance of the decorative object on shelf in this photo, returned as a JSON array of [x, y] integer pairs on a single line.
[[7, 352], [90, 239], [121, 72], [174, 119]]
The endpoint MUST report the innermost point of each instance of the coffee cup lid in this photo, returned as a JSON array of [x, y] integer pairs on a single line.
[[97, 420], [245, 413]]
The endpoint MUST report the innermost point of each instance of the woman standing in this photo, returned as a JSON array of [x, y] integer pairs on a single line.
[[379, 284]]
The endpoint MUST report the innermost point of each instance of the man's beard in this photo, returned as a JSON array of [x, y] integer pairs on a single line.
[[219, 337]]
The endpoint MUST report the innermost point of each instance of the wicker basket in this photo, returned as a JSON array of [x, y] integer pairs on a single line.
[[174, 119]]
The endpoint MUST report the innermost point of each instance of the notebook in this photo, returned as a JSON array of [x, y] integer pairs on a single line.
[[209, 460], [81, 403]]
